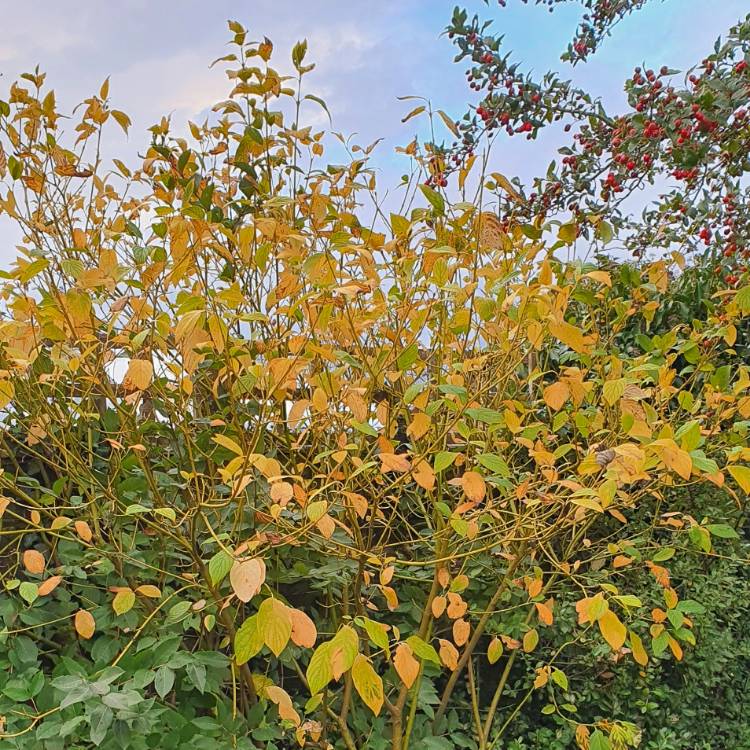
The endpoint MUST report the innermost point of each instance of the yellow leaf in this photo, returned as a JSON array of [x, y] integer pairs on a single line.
[[494, 650], [570, 336], [530, 640], [368, 683], [741, 475], [274, 624], [612, 629], [639, 652], [152, 592], [139, 375], [123, 601], [229, 444]]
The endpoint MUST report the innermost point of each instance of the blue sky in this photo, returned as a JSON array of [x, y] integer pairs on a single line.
[[367, 52]]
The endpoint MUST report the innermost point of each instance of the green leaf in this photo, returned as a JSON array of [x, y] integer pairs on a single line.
[[443, 460], [560, 679], [364, 427], [423, 649], [742, 298], [375, 632], [435, 199], [495, 464], [248, 641], [219, 566], [722, 530], [568, 232], [599, 741], [29, 591], [100, 719], [319, 671], [666, 553], [487, 416], [163, 681], [408, 357]]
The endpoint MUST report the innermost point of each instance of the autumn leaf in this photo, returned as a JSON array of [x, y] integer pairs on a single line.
[[530, 640], [474, 486], [123, 601], [139, 374], [83, 530], [281, 698], [304, 632], [34, 561], [612, 629], [274, 624], [396, 462], [438, 606], [556, 395], [494, 650], [48, 586], [461, 630], [448, 654], [84, 623], [368, 683], [246, 578], [406, 666]]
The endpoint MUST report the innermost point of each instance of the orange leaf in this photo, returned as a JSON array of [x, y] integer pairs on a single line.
[[84, 623], [48, 586], [461, 630], [474, 486], [438, 606], [247, 577], [83, 530], [448, 654], [304, 632], [556, 395], [456, 606], [407, 667], [544, 613], [34, 561], [397, 462]]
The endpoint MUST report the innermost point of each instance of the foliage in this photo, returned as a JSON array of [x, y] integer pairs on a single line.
[[275, 475]]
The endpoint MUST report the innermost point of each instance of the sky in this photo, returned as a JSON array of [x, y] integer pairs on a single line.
[[367, 54]]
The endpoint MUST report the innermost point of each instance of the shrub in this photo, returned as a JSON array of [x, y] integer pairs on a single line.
[[273, 477]]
